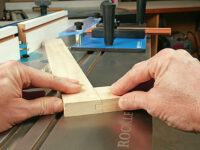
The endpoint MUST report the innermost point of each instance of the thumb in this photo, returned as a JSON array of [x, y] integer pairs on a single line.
[[45, 106], [133, 100]]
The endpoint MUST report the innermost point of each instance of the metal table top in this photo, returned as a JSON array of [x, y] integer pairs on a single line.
[[107, 131]]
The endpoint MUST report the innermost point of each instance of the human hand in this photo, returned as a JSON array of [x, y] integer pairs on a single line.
[[175, 95], [14, 77]]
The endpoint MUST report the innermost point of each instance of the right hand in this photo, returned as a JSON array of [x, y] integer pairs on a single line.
[[175, 96]]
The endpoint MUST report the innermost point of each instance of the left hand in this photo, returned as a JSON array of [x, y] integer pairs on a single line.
[[14, 77]]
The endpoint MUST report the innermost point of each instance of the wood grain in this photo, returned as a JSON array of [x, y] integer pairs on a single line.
[[153, 21], [160, 31], [109, 102], [90, 100], [63, 64], [37, 9]]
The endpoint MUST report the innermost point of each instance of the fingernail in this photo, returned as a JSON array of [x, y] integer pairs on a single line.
[[58, 105], [77, 85], [112, 88], [74, 81]]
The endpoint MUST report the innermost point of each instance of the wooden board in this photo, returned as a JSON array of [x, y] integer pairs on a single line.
[[153, 21], [89, 100], [109, 102], [9, 50], [37, 9], [33, 32]]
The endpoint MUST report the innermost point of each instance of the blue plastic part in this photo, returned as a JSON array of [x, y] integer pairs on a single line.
[[32, 57], [23, 52], [88, 23], [23, 49], [23, 46], [119, 43]]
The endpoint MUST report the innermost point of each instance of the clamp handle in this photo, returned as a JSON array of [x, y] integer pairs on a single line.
[[108, 10], [141, 10]]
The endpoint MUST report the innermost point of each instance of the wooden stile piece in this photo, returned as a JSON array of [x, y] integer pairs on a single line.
[[109, 102], [90, 100]]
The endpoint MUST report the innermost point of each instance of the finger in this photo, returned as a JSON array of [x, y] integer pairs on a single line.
[[44, 106], [183, 52], [134, 100], [138, 74], [141, 72], [46, 80]]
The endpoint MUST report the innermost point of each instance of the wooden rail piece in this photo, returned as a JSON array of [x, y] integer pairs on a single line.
[[90, 100], [151, 31], [33, 32], [37, 9], [7, 38], [109, 102], [160, 31]]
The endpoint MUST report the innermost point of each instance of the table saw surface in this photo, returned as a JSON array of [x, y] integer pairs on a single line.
[[134, 130]]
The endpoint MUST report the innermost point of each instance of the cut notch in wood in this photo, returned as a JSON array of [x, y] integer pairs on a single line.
[[90, 100]]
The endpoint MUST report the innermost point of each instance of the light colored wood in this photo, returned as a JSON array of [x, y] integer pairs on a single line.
[[37, 9], [63, 64], [7, 38], [90, 100], [9, 50], [153, 21], [109, 102], [160, 31], [8, 31]]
